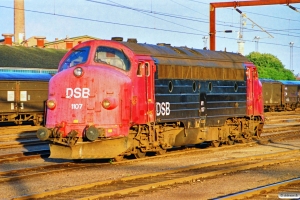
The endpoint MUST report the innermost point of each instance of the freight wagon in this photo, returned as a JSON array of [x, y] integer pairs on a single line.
[[23, 96], [280, 95]]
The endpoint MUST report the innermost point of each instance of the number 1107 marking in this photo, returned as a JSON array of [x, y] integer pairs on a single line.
[[76, 106]]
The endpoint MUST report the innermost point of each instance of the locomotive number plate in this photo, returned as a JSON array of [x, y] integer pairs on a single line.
[[76, 106]]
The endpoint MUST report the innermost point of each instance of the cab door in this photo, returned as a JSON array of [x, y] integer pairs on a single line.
[[147, 68], [144, 102], [254, 91]]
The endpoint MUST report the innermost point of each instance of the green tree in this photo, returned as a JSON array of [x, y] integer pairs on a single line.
[[269, 66]]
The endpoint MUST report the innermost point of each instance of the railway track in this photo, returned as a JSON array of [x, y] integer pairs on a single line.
[[128, 185], [30, 155], [15, 175], [19, 136], [271, 134], [24, 173], [19, 174], [288, 189], [55, 168], [24, 156]]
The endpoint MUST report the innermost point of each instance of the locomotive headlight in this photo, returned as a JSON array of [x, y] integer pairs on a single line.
[[78, 72], [51, 104], [109, 103]]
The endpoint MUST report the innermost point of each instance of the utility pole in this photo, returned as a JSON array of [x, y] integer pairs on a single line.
[[240, 41], [213, 7], [291, 56], [205, 38], [256, 38]]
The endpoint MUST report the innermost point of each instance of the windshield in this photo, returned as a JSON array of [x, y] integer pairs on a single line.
[[113, 57], [78, 56]]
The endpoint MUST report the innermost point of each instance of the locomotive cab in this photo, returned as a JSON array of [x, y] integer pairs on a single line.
[[85, 104]]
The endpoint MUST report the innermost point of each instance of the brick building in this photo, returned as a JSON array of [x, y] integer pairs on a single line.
[[68, 43], [35, 54], [29, 59]]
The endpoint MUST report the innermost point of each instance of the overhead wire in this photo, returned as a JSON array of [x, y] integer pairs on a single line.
[[158, 13], [220, 23], [102, 21], [188, 8], [268, 29], [151, 11], [275, 17], [129, 25], [146, 13], [116, 4]]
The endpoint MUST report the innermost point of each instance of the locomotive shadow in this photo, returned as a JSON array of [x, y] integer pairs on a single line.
[[203, 145], [131, 157], [286, 146]]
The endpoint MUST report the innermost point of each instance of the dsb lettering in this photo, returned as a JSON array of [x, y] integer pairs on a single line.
[[77, 93], [163, 108]]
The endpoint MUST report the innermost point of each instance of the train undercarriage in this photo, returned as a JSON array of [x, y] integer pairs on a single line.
[[156, 138], [279, 108], [159, 138], [19, 118]]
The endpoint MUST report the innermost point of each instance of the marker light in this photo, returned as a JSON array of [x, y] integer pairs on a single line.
[[106, 103], [109, 103], [78, 72], [51, 104]]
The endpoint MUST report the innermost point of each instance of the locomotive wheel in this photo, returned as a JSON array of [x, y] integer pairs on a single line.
[[118, 158], [230, 142], [161, 152], [242, 141], [18, 122], [140, 154], [36, 123], [215, 143]]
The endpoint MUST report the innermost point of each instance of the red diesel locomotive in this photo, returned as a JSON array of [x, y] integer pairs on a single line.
[[114, 98]]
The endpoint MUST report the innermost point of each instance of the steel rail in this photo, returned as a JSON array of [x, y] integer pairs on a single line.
[[262, 189], [127, 185], [29, 155], [14, 175]]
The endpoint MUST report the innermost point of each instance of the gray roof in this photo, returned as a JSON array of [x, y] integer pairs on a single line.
[[30, 57]]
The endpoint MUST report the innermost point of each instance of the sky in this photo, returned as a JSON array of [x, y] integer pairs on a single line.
[[176, 22]]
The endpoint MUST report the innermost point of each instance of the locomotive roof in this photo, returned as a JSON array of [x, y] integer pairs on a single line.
[[284, 82], [30, 57], [17, 76], [184, 56], [269, 81]]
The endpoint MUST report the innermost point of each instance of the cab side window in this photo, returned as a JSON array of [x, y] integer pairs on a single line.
[[112, 57], [143, 69], [139, 70]]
